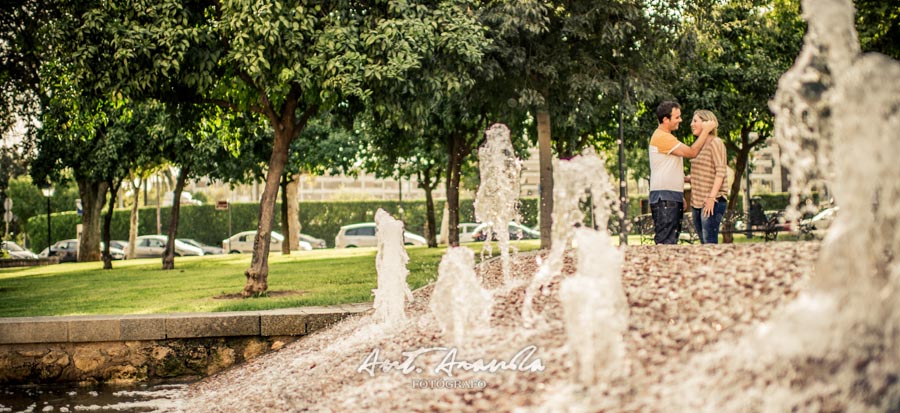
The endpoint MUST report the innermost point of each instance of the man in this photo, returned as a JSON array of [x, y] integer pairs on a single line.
[[667, 171]]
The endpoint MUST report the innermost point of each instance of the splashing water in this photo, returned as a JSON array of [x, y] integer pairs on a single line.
[[460, 305], [498, 193], [595, 310], [837, 347], [392, 292], [573, 182]]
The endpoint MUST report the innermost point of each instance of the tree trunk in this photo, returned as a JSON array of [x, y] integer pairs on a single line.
[[135, 215], [623, 186], [445, 225], [159, 206], [546, 172], [168, 261], [93, 197], [293, 215], [452, 185], [285, 222], [740, 165], [257, 274], [425, 182], [107, 221]]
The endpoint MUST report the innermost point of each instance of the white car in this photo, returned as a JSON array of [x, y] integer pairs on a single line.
[[243, 242], [153, 246], [17, 252], [466, 231], [363, 235], [313, 241], [517, 231]]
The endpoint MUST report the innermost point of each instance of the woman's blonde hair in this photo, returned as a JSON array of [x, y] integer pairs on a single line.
[[708, 115]]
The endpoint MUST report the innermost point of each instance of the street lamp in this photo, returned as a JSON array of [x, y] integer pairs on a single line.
[[48, 192]]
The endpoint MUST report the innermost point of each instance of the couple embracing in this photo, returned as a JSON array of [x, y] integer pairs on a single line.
[[667, 179]]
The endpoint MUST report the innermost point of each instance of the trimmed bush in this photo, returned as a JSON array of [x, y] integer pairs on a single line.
[[208, 225]]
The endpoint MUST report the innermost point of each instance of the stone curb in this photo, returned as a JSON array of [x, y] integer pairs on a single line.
[[83, 329]]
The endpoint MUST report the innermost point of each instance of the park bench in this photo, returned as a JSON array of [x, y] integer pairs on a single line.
[[733, 222]]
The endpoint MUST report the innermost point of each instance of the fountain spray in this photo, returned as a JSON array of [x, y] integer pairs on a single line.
[[392, 292], [498, 193]]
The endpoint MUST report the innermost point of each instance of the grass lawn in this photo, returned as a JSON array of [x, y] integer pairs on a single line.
[[320, 277]]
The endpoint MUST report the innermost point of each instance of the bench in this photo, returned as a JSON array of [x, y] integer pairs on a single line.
[[732, 223]]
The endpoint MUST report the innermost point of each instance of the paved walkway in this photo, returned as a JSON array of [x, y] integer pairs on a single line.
[[81, 329]]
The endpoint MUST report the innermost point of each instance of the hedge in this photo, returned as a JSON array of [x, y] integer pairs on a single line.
[[320, 219], [210, 226]]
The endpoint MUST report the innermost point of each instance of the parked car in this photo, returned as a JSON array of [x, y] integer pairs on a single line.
[[313, 241], [243, 242], [516, 232], [67, 251], [207, 249], [152, 246], [122, 245], [17, 252], [363, 235], [115, 253], [466, 230]]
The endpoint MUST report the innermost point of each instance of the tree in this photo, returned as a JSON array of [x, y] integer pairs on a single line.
[[285, 61], [394, 152], [26, 40], [325, 146], [740, 49], [29, 201], [878, 26], [12, 165], [74, 137], [190, 142], [427, 123], [561, 56]]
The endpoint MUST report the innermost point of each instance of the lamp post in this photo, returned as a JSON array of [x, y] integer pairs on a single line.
[[48, 193]]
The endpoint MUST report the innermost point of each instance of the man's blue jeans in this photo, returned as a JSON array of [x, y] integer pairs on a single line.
[[667, 221], [708, 227]]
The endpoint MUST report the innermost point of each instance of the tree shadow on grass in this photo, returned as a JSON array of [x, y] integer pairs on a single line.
[[268, 294]]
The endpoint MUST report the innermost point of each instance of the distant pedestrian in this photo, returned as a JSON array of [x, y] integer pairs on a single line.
[[667, 171], [708, 173]]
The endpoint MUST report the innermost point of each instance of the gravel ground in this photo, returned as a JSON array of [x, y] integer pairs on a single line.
[[683, 300]]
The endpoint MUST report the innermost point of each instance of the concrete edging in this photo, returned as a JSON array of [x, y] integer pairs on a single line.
[[84, 329]]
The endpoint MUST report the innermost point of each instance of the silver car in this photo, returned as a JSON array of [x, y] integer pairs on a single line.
[[242, 242], [153, 246], [313, 241], [17, 252], [363, 235]]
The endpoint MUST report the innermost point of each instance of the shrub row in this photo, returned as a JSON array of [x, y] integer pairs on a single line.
[[208, 225], [320, 219]]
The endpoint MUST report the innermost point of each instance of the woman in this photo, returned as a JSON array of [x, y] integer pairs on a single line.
[[707, 178]]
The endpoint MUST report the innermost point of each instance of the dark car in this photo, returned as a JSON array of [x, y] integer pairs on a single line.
[[66, 250]]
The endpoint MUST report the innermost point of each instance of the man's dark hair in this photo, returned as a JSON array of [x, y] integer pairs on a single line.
[[664, 110]]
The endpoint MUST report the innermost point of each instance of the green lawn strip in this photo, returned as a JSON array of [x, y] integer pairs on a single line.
[[323, 277]]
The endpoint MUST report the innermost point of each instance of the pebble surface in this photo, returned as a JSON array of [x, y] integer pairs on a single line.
[[683, 299]]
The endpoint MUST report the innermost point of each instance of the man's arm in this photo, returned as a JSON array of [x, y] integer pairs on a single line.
[[692, 151]]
